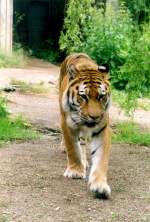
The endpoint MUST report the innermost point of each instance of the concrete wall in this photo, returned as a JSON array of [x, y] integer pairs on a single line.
[[6, 17]]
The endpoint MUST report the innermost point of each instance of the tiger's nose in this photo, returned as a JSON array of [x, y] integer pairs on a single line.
[[93, 117]]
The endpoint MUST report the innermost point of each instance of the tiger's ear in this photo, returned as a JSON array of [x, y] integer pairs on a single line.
[[71, 71], [103, 69]]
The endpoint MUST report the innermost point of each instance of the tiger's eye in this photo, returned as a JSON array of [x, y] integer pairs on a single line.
[[83, 96]]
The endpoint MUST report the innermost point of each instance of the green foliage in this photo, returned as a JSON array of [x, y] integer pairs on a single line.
[[129, 132], [118, 96], [138, 8], [128, 101], [136, 69], [4, 219], [13, 128], [3, 108], [15, 59], [17, 20], [144, 104], [105, 38], [108, 40], [76, 25], [111, 38], [47, 55], [47, 51]]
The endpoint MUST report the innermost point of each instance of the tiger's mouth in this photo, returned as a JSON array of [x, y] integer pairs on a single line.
[[85, 123], [90, 124], [86, 120]]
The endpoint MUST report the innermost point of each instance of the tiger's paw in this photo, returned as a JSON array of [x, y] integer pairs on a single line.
[[101, 189], [74, 173]]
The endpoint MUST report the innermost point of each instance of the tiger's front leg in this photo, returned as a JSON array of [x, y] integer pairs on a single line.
[[100, 151], [76, 167]]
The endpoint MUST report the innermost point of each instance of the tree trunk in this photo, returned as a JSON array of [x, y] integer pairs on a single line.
[[6, 20]]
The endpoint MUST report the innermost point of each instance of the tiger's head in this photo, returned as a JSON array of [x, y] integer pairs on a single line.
[[88, 93]]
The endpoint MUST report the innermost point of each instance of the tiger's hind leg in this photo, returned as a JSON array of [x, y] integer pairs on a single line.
[[76, 167], [100, 150]]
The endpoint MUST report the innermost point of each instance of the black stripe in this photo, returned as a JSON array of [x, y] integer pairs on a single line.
[[94, 151], [97, 133], [74, 82], [68, 95], [92, 124], [72, 96], [72, 107], [107, 105]]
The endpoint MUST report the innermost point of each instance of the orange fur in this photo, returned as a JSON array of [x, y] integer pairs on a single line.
[[84, 97]]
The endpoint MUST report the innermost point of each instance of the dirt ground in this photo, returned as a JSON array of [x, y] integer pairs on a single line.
[[32, 188]]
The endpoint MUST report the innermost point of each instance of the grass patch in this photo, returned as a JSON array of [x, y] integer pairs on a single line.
[[146, 218], [3, 108], [120, 98], [16, 59], [4, 219], [16, 129], [129, 132], [144, 104], [30, 88]]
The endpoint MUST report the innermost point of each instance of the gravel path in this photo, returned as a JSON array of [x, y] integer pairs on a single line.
[[32, 188]]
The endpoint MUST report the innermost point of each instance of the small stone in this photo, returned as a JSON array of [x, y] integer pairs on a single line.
[[89, 209], [57, 208]]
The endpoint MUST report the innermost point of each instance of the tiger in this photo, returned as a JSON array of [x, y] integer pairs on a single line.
[[84, 100]]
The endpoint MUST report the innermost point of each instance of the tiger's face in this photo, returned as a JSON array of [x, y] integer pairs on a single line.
[[88, 98]]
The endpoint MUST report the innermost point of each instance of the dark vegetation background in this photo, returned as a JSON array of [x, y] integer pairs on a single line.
[[114, 33]]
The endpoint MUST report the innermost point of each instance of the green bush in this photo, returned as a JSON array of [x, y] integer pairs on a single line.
[[136, 69], [107, 39], [138, 8], [76, 25], [3, 108], [111, 38], [47, 51]]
